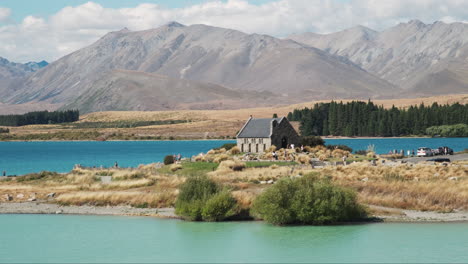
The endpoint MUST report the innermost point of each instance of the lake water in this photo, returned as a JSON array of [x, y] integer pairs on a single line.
[[18, 158], [100, 239]]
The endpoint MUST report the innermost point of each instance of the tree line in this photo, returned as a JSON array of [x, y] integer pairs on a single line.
[[359, 118], [40, 117]]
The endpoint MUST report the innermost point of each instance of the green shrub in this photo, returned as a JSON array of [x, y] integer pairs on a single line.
[[169, 159], [201, 199], [361, 152], [227, 146], [193, 195], [312, 141], [219, 207], [307, 200], [458, 130]]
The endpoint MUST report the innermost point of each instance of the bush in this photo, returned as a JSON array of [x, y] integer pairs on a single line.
[[458, 130], [312, 141], [235, 150], [342, 147], [4, 130], [201, 199], [169, 159], [361, 152], [307, 200], [227, 146], [219, 207]]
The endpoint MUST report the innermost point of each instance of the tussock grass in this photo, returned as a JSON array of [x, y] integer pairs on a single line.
[[154, 200]]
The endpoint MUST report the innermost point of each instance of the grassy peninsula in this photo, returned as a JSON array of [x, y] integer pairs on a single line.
[[381, 186]]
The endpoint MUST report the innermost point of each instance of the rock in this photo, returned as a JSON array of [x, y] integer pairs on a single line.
[[270, 182], [453, 179], [20, 196], [263, 182], [8, 197], [51, 195], [58, 212], [366, 179], [436, 174], [33, 199]]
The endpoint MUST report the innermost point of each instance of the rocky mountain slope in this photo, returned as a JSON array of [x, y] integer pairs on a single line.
[[124, 90], [235, 60], [423, 59]]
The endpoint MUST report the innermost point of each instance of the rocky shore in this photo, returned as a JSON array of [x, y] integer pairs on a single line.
[[400, 215], [48, 208], [384, 213]]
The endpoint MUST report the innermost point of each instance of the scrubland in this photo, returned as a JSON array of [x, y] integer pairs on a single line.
[[426, 187], [180, 124]]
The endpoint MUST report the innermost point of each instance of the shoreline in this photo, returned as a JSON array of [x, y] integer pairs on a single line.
[[51, 208], [387, 215], [220, 139]]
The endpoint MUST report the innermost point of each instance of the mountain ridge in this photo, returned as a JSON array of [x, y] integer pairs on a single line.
[[229, 58], [407, 55]]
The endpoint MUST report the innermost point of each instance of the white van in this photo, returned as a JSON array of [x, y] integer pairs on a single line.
[[424, 152]]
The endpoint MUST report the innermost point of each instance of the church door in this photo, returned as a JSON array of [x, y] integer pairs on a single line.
[[284, 142]]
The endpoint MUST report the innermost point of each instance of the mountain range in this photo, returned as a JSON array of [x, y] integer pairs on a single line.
[[422, 59], [205, 67]]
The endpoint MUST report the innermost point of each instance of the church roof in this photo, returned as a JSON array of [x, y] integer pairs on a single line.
[[258, 128]]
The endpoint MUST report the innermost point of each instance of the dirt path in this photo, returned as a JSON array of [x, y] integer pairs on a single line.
[[456, 157]]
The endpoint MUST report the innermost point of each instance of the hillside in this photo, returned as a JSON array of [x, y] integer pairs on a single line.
[[422, 59], [198, 123], [130, 90], [225, 57]]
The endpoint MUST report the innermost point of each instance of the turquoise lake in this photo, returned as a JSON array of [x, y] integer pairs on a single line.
[[18, 158], [101, 239]]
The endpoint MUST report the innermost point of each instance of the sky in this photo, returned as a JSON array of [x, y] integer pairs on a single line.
[[34, 30]]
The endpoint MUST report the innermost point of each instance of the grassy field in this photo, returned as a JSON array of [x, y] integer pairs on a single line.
[[426, 187], [183, 124]]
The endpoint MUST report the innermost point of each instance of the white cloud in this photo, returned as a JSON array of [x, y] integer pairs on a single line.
[[4, 14], [71, 28]]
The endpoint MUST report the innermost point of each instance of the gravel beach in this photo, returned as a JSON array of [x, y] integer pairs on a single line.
[[385, 213], [47, 208]]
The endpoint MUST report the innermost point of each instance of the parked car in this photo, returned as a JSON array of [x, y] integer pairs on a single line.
[[438, 151], [446, 151], [424, 152]]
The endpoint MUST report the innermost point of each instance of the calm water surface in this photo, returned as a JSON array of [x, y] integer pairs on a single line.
[[18, 158], [67, 238]]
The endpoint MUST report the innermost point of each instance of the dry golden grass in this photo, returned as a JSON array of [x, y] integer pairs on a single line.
[[406, 186], [421, 187], [155, 200], [209, 123]]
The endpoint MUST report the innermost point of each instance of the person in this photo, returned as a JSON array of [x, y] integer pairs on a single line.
[[344, 160], [302, 148], [409, 152], [4, 173], [275, 155], [116, 165], [292, 146], [412, 153], [179, 157]]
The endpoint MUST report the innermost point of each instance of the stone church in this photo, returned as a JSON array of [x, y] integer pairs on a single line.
[[259, 134]]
